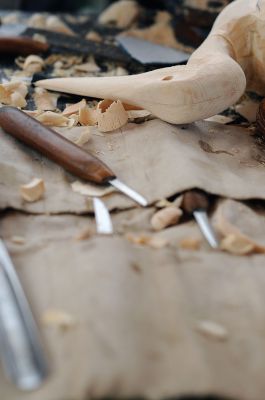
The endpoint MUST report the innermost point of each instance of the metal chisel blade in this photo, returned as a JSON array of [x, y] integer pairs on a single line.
[[103, 219], [128, 191]]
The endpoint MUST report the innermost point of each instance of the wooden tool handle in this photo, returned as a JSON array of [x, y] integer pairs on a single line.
[[53, 146], [22, 45]]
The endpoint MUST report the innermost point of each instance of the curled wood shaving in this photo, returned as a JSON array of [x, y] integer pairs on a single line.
[[33, 191], [121, 14], [74, 108], [92, 35], [89, 66], [111, 115], [212, 330], [190, 243], [155, 242], [13, 93], [59, 319], [87, 116], [84, 137], [33, 63], [165, 217], [72, 120], [90, 190], [44, 100], [51, 118]]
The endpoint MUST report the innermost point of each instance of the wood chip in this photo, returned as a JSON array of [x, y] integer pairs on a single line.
[[74, 108], [33, 191], [138, 115], [212, 330], [237, 244], [165, 217], [155, 242], [111, 115], [220, 119], [121, 14], [59, 319], [33, 64], [44, 100], [248, 109], [55, 24], [90, 190], [17, 239], [39, 38], [51, 118], [84, 137], [87, 116], [92, 35], [190, 243], [90, 66], [13, 94]]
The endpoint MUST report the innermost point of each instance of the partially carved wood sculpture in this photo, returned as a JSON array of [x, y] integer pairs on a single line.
[[232, 56]]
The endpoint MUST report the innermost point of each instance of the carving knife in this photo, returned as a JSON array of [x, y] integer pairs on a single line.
[[21, 349], [60, 150]]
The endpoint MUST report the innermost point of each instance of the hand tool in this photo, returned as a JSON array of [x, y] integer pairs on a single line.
[[21, 351], [196, 202], [102, 215], [62, 151]]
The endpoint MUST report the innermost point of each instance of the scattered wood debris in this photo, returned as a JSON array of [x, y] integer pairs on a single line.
[[90, 190], [121, 14], [212, 330], [87, 116], [241, 228], [220, 119], [13, 94], [138, 115], [33, 191], [89, 66], [59, 319], [18, 240], [111, 115], [248, 109], [51, 118], [165, 217], [84, 137], [44, 100], [39, 38], [33, 64], [50, 23], [153, 241], [190, 243], [84, 234]]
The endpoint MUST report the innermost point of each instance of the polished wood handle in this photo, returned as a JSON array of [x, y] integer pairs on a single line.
[[22, 45], [53, 146]]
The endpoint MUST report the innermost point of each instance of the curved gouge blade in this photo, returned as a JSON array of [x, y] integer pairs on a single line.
[[103, 219], [206, 228], [128, 192]]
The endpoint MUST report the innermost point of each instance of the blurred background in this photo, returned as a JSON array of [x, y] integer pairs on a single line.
[[54, 5]]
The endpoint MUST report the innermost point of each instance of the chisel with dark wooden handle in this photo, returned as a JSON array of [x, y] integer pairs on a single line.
[[60, 150]]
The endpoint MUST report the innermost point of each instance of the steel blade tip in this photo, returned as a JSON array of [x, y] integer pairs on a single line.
[[138, 198]]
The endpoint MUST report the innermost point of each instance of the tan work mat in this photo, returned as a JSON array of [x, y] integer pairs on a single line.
[[155, 158], [134, 313]]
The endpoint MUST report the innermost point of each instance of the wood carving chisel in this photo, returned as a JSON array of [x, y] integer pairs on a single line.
[[60, 150]]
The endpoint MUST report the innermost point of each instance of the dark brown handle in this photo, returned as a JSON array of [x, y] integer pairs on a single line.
[[53, 146], [22, 45]]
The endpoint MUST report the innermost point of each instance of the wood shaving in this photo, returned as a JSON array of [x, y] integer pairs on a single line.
[[72, 120], [87, 116], [84, 234], [220, 119], [92, 35], [155, 242], [111, 116], [212, 330], [44, 100], [32, 113], [129, 107], [248, 109], [138, 115], [39, 38], [74, 108], [89, 66], [37, 21], [90, 190], [59, 319], [190, 243], [17, 239], [237, 244], [12, 18], [84, 137], [33, 191], [165, 217], [51, 118], [240, 227], [163, 203], [55, 24], [121, 14], [33, 64], [13, 94]]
